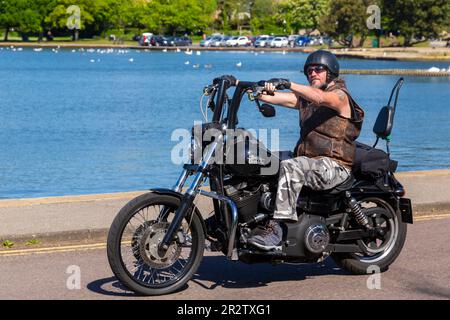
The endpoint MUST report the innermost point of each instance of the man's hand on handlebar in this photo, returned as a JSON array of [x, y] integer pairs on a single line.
[[280, 84], [272, 85], [230, 80]]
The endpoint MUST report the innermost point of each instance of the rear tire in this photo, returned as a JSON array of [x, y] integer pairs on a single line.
[[359, 264], [117, 245]]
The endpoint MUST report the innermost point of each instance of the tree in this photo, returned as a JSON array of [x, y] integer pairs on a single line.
[[179, 16], [24, 15], [89, 14], [7, 19], [121, 14], [417, 20], [304, 14], [18, 14], [225, 10], [265, 17], [42, 9], [344, 19]]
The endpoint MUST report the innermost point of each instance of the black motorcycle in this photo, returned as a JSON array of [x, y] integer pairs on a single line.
[[156, 242]]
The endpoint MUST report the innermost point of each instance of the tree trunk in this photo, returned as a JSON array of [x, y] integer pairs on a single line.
[[76, 35], [362, 40], [350, 44], [407, 42], [6, 34], [25, 37], [349, 41]]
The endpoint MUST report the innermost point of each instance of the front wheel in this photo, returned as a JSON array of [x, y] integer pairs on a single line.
[[381, 251], [133, 246]]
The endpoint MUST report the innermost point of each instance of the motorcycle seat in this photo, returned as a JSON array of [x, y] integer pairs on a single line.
[[344, 186]]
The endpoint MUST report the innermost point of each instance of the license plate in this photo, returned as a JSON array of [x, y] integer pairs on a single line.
[[406, 210]]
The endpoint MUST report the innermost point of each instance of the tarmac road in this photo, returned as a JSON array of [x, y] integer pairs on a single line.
[[421, 272]]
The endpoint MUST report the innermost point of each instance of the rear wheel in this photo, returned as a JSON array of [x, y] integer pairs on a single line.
[[383, 249], [134, 239]]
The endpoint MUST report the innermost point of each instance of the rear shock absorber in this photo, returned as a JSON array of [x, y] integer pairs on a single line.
[[356, 209]]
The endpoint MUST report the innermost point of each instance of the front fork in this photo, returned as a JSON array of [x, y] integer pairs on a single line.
[[189, 197]]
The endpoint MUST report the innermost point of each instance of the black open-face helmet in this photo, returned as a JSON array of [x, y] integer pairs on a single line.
[[326, 59]]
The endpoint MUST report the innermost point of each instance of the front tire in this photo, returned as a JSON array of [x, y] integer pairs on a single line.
[[133, 241], [359, 264]]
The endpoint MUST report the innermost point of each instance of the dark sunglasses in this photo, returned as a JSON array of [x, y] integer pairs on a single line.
[[317, 69]]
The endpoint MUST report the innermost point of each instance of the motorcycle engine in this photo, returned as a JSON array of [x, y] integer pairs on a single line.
[[317, 238], [308, 238]]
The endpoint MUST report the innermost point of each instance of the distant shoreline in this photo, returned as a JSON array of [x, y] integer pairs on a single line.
[[392, 53]]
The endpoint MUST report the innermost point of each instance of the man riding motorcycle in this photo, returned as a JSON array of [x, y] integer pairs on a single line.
[[330, 122], [360, 220]]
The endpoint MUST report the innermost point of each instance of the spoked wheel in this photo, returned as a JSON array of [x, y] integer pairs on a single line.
[[384, 246], [133, 246]]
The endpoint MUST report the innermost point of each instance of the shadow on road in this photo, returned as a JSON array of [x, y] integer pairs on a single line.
[[98, 286], [226, 274]]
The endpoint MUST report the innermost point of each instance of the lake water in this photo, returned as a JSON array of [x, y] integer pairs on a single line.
[[89, 122]]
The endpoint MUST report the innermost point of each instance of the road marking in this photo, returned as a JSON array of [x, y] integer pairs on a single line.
[[125, 196], [95, 246], [432, 217], [98, 246]]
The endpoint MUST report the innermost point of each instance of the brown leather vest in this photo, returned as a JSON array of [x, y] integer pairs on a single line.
[[324, 133]]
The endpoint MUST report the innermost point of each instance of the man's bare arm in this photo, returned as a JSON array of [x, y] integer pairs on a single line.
[[336, 99], [284, 99]]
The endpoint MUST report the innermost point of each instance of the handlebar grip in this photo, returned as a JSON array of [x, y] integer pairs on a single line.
[[229, 79]]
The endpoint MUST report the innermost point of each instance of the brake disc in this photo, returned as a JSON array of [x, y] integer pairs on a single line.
[[137, 236], [149, 247]]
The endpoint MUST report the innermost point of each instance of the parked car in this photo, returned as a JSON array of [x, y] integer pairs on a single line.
[[302, 41], [291, 40], [232, 41], [223, 42], [158, 41], [269, 41], [206, 42], [184, 41], [261, 41], [216, 41], [238, 41], [171, 41], [316, 41], [145, 39], [279, 42]]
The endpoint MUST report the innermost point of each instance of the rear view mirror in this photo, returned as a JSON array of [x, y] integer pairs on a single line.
[[267, 110]]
